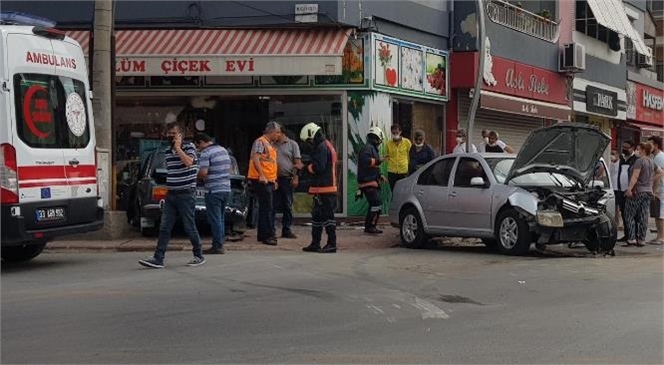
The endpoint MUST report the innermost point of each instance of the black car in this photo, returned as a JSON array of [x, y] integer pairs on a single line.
[[144, 198]]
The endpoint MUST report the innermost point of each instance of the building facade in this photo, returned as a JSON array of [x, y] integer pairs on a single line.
[[227, 68]]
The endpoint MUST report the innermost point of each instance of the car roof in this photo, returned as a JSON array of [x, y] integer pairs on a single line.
[[481, 154]]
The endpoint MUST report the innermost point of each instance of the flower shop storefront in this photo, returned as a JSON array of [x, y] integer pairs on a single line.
[[233, 103], [408, 85]]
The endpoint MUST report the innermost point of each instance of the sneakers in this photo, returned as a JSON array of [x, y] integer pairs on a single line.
[[152, 263], [329, 249], [196, 261], [215, 251], [270, 242]]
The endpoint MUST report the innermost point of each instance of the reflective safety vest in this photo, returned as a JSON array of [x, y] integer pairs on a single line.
[[324, 182], [268, 160]]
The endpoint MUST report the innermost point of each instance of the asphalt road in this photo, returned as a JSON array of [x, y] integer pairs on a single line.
[[450, 305]]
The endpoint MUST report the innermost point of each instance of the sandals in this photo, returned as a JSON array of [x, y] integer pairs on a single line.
[[656, 242]]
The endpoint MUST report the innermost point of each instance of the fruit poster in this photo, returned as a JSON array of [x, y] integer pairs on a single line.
[[436, 73], [401, 67]]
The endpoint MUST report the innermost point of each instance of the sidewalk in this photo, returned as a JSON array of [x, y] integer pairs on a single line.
[[348, 238]]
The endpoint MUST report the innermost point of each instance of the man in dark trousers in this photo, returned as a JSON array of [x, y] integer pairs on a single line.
[[181, 170], [627, 159], [262, 176], [369, 178], [323, 187]]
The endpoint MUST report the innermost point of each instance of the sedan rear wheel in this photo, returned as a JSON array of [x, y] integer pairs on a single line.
[[411, 229], [512, 233]]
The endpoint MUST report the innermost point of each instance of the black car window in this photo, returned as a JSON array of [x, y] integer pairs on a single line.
[[438, 173], [467, 169]]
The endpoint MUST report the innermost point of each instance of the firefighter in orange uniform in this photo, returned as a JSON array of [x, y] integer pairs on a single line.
[[323, 187]]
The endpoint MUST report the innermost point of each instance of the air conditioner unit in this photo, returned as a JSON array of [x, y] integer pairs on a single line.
[[631, 57], [572, 58], [645, 61]]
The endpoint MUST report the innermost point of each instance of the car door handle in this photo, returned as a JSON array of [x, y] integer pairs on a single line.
[[74, 162], [453, 194]]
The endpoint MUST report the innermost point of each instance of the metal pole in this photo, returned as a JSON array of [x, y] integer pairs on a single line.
[[475, 103], [101, 84]]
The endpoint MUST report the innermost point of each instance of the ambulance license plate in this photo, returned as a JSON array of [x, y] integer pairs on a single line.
[[50, 214]]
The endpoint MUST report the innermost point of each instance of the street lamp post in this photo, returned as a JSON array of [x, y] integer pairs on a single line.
[[475, 103]]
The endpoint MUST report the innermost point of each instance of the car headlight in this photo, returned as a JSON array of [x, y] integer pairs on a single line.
[[549, 219]]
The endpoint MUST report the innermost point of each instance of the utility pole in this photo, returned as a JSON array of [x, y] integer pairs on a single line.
[[102, 96], [475, 103]]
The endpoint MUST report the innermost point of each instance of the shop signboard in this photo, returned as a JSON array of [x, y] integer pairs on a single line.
[[601, 101], [401, 67], [227, 66], [645, 104]]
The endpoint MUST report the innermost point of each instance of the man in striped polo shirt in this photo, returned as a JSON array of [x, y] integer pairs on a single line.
[[181, 171], [215, 170]]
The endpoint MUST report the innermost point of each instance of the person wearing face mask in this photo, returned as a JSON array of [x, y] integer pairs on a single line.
[[485, 140], [638, 195], [420, 153], [626, 161], [398, 149], [614, 172], [461, 138], [495, 145], [369, 178]]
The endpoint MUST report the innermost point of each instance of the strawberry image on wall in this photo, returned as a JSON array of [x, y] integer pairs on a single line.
[[391, 76]]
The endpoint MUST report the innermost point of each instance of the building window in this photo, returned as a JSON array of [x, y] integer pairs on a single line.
[[587, 24]]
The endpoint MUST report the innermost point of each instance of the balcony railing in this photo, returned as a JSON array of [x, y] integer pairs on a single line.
[[521, 20]]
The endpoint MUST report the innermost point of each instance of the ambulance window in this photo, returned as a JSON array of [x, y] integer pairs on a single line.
[[51, 111]]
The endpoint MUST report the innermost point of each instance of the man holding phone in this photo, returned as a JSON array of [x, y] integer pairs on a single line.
[[181, 170]]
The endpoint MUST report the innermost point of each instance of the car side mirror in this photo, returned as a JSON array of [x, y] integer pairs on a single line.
[[477, 182]]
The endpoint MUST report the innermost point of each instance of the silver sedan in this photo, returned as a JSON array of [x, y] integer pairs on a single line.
[[512, 201]]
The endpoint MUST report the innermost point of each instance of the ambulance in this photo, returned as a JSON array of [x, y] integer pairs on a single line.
[[47, 139]]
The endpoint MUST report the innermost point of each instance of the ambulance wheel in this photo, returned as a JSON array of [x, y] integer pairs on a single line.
[[22, 253]]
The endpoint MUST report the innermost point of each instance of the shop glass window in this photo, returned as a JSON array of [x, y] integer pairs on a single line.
[[294, 112], [51, 111]]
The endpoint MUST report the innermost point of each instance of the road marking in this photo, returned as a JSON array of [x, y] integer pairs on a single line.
[[429, 310]]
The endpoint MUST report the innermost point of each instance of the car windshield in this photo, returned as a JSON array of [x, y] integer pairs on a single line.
[[501, 167]]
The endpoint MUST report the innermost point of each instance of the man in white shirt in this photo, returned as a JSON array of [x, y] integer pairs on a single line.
[[461, 138], [658, 189]]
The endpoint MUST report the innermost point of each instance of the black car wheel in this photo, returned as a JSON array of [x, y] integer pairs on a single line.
[[22, 253], [411, 229], [512, 234]]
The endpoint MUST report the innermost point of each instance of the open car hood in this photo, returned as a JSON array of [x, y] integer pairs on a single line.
[[572, 149]]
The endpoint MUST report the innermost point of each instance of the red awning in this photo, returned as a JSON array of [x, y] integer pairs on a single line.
[[227, 52], [647, 130]]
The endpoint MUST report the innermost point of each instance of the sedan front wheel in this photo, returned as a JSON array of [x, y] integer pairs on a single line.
[[411, 229], [512, 233]]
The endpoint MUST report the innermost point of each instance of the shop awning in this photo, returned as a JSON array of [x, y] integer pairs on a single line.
[[234, 52], [512, 104], [611, 14], [646, 130]]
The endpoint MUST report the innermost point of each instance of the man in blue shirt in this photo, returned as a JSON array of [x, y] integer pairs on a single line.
[[215, 170], [181, 170]]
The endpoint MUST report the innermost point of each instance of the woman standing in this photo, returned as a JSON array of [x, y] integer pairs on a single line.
[[495, 145], [420, 153], [638, 195]]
